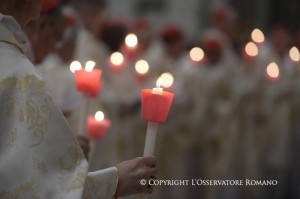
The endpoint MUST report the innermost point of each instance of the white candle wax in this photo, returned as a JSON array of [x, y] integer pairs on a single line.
[[157, 91], [150, 139], [83, 116]]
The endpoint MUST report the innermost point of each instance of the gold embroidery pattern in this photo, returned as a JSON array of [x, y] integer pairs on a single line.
[[10, 107], [72, 157], [12, 138], [20, 191], [70, 182], [22, 84], [40, 165], [77, 183], [30, 112]]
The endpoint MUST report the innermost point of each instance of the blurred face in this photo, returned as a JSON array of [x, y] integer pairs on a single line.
[[213, 51], [26, 11], [93, 20], [36, 6], [280, 41], [44, 34]]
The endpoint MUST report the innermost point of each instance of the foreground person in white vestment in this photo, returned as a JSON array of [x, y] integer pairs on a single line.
[[39, 157]]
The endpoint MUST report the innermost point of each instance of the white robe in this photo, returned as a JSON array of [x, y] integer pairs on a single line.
[[39, 157]]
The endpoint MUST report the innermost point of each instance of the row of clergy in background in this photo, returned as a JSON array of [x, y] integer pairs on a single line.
[[235, 110]]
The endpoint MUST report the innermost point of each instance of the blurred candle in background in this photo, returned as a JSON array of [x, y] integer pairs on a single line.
[[116, 61], [141, 68], [272, 71], [97, 126]]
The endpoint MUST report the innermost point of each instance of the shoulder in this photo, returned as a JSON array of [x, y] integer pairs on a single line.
[[13, 63]]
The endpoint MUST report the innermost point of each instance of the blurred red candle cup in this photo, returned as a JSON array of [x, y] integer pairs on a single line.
[[88, 79], [97, 126], [156, 104]]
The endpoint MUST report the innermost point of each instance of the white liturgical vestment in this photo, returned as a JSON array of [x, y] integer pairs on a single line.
[[39, 157]]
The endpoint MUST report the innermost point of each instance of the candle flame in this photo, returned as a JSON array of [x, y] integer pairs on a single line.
[[294, 54], [117, 58], [159, 82], [131, 40], [196, 54], [142, 67], [89, 66], [257, 36], [167, 80], [99, 116], [273, 70], [75, 65], [251, 49]]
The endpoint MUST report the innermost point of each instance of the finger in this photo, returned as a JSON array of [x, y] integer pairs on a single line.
[[152, 172], [146, 172], [150, 161]]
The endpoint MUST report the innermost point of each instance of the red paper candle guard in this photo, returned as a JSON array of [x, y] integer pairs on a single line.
[[96, 128], [155, 107], [88, 82]]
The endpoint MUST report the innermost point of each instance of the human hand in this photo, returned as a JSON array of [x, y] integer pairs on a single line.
[[84, 145], [131, 173]]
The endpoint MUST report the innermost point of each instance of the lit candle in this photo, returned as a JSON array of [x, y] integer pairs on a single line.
[[272, 71], [257, 36], [97, 126], [167, 81], [131, 40], [156, 104], [158, 90], [88, 79], [196, 55], [141, 68], [294, 54], [87, 82], [116, 61], [130, 47], [250, 51]]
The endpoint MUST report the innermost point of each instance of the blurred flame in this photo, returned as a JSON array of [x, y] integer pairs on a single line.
[[294, 54], [257, 36], [251, 49], [159, 82], [142, 67], [117, 58], [75, 65], [99, 116], [131, 40], [273, 70], [89, 66], [196, 54], [167, 80]]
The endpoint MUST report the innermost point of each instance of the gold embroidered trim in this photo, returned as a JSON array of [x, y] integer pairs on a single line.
[[35, 113]]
